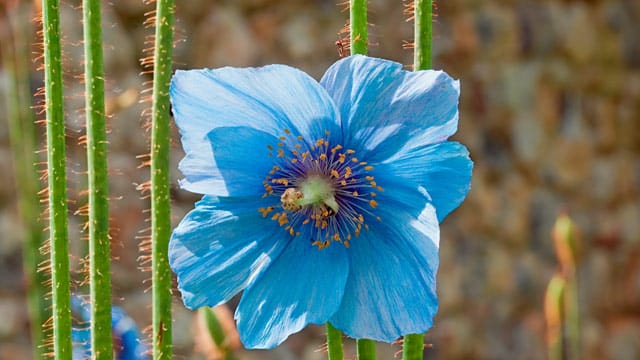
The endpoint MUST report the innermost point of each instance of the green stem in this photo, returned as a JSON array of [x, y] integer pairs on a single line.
[[413, 347], [366, 349], [572, 320], [334, 343], [554, 309], [160, 200], [422, 34], [57, 180], [99, 244], [358, 26], [16, 58]]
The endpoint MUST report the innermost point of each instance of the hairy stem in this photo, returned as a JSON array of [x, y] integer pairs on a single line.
[[413, 347], [366, 349], [359, 40], [358, 26], [57, 180], [99, 244], [334, 343], [422, 34], [160, 200]]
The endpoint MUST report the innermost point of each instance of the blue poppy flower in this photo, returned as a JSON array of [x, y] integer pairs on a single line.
[[126, 337], [322, 201]]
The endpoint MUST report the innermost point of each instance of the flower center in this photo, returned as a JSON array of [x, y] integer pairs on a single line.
[[325, 191], [315, 191]]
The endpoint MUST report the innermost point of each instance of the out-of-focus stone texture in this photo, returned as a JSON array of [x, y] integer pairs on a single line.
[[550, 110]]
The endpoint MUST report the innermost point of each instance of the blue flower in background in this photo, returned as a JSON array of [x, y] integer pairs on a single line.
[[322, 201], [126, 337]]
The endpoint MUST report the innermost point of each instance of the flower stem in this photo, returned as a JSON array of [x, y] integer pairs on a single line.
[[413, 347], [358, 22], [57, 180], [566, 243], [366, 349], [15, 59], [99, 244], [160, 198], [334, 343], [422, 34], [554, 310], [359, 40]]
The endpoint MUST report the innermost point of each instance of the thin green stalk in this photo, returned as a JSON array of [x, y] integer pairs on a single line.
[[422, 34], [359, 41], [57, 180], [358, 26], [22, 138], [160, 201], [334, 343], [99, 244], [572, 318], [554, 310], [413, 347], [359, 36], [565, 238], [366, 349]]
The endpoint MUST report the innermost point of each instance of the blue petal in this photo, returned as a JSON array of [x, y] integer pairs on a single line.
[[384, 108], [220, 247], [391, 289], [199, 168], [443, 170], [272, 99], [242, 159], [303, 285]]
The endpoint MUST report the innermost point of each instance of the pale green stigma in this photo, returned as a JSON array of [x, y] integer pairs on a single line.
[[316, 191]]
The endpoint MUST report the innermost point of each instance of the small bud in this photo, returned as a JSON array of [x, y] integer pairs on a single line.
[[565, 239]]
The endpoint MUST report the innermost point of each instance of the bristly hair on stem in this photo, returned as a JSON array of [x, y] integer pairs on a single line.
[[56, 170], [360, 35], [334, 343], [422, 13], [98, 180], [157, 243]]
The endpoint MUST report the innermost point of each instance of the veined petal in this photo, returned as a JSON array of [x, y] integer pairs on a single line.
[[242, 159], [199, 168], [391, 289], [303, 285], [443, 170], [384, 108], [229, 161], [272, 99], [220, 247]]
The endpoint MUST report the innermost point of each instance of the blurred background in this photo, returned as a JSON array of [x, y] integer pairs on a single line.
[[550, 111]]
